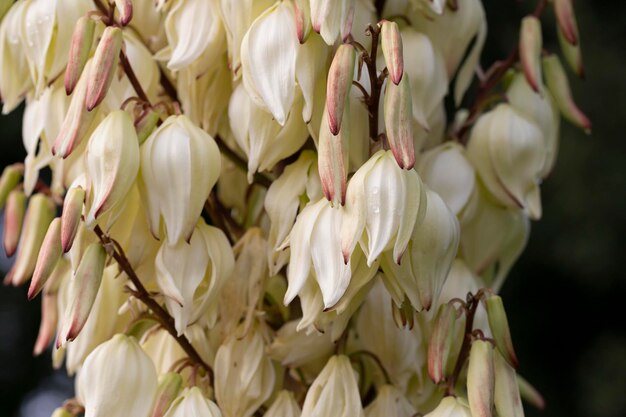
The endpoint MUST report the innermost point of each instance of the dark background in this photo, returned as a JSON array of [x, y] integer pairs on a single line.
[[565, 295]]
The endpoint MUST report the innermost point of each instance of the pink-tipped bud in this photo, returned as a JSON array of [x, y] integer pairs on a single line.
[[440, 343], [104, 66], [302, 12], [125, 8], [506, 394], [566, 19], [391, 42], [39, 214], [13, 220], [572, 54], [558, 84], [500, 328], [530, 394], [77, 120], [338, 86], [49, 255], [80, 46], [398, 110], [11, 176], [48, 325], [480, 379], [170, 385], [70, 218], [145, 125], [84, 290], [332, 162], [530, 49]]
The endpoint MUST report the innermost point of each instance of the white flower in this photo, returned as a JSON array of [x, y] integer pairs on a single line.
[[285, 405], [192, 403], [450, 407], [390, 402]]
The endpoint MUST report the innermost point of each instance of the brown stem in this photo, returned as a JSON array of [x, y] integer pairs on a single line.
[[140, 292], [376, 83]]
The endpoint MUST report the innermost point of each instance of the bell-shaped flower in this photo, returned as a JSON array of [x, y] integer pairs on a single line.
[[14, 77], [112, 163], [268, 60], [244, 375], [163, 349], [194, 29], [293, 348], [332, 18], [284, 405], [334, 392], [118, 379], [433, 246], [180, 164], [451, 407], [191, 274], [261, 138], [390, 402], [282, 202], [311, 73], [452, 33], [193, 403], [509, 153], [493, 239]]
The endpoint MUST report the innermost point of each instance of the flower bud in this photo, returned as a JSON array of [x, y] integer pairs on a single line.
[[500, 328], [85, 286], [39, 214], [506, 393], [49, 255], [480, 379], [11, 176], [61, 412], [338, 85], [193, 403], [530, 49], [112, 158], [332, 162], [180, 163], [440, 342], [80, 47], [269, 61], [530, 393], [572, 54], [332, 18], [391, 42], [146, 124], [104, 66], [77, 120], [558, 84], [125, 9], [284, 405], [13, 221], [302, 11], [118, 379], [48, 325], [450, 407], [244, 375], [334, 392], [70, 218], [399, 122], [170, 385], [390, 402], [566, 19]]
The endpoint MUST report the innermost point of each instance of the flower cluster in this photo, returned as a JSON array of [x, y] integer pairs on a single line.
[[264, 207]]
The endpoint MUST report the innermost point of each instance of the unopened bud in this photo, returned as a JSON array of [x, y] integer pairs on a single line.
[[530, 393], [302, 11], [332, 162], [61, 412], [500, 328], [572, 54], [85, 286], [125, 8], [338, 85], [399, 122], [11, 176], [48, 324], [530, 49], [70, 218], [49, 255], [13, 220], [77, 120], [440, 342], [391, 42], [566, 19], [104, 66], [80, 46], [170, 385], [480, 379], [145, 125], [506, 395], [558, 84], [39, 214]]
